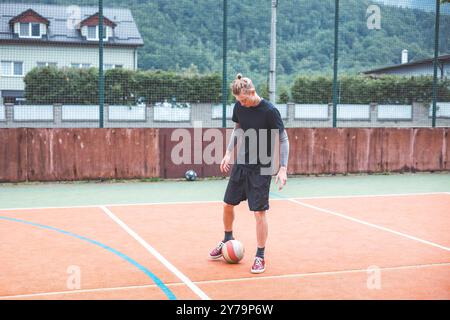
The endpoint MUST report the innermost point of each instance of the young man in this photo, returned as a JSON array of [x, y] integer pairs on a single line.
[[250, 178]]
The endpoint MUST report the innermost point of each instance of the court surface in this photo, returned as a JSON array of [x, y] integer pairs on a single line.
[[334, 237]]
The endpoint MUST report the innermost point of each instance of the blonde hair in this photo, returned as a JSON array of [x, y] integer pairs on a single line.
[[241, 85]]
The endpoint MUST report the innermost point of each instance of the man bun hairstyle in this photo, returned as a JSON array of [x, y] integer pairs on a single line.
[[241, 85]]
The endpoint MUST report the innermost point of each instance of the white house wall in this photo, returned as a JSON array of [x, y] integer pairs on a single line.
[[64, 56], [426, 70]]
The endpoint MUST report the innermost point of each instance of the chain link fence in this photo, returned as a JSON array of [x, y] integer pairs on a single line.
[[133, 63]]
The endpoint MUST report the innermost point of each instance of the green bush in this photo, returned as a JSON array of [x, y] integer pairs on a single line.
[[316, 89], [157, 86], [360, 89], [284, 96], [50, 85], [45, 85], [120, 85]]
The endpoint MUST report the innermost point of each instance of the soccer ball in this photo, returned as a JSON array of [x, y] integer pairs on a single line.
[[190, 175]]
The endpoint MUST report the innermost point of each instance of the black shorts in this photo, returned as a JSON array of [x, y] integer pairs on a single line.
[[248, 184]]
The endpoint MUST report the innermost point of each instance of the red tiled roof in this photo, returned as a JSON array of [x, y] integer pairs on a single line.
[[29, 16], [94, 21]]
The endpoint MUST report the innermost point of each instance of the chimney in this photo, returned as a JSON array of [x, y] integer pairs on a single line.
[[404, 56]]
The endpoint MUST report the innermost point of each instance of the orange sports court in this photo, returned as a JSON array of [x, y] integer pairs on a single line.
[[120, 139], [350, 244]]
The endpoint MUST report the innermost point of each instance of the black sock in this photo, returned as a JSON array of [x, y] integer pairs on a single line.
[[228, 236], [260, 252]]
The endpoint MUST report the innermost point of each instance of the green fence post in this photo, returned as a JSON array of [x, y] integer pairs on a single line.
[[224, 71], [335, 68], [101, 80], [436, 60]]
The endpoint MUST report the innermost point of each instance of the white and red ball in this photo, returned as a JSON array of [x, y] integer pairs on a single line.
[[233, 251]]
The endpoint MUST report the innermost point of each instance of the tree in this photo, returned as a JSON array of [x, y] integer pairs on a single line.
[[284, 96], [263, 91]]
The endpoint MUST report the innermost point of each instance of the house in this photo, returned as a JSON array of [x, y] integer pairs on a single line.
[[36, 35], [416, 68]]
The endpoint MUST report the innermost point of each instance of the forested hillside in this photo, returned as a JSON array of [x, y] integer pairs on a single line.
[[188, 33]]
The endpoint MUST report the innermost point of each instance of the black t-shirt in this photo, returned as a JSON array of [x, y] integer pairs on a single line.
[[260, 117]]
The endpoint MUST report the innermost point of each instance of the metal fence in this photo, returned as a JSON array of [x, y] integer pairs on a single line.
[[132, 63]]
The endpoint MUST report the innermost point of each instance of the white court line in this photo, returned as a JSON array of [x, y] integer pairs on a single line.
[[114, 205], [372, 195], [370, 224], [220, 201], [157, 255], [255, 278]]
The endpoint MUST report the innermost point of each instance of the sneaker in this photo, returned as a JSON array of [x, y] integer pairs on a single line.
[[259, 265], [216, 253]]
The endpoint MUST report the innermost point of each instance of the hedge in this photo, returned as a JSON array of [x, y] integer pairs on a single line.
[[386, 89], [51, 85]]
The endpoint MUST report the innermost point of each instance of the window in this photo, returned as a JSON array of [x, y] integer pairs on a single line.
[[18, 68], [80, 65], [93, 33], [9, 100], [46, 64], [24, 29], [6, 68], [12, 68], [35, 30], [105, 33], [30, 30], [111, 66]]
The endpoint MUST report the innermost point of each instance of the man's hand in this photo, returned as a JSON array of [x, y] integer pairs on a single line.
[[282, 177], [225, 164]]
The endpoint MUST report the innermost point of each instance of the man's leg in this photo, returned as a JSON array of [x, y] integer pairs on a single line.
[[234, 194], [258, 200], [228, 217], [262, 229]]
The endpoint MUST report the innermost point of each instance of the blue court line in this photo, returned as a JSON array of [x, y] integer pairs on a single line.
[[157, 281]]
